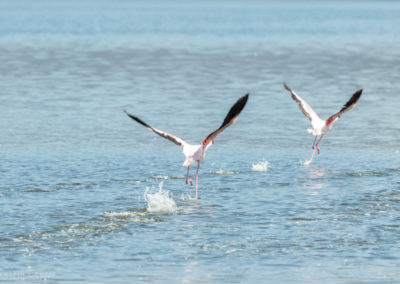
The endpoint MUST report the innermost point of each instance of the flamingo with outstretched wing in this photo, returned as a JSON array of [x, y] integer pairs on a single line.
[[321, 127], [196, 153]]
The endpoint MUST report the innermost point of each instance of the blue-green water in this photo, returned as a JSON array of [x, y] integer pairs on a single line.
[[79, 181]]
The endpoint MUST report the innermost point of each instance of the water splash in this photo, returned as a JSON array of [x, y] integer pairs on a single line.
[[160, 202], [261, 166]]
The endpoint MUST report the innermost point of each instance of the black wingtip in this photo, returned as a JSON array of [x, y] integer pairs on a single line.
[[232, 115], [239, 105], [357, 94], [137, 119], [242, 102], [353, 100], [245, 97], [286, 87], [236, 109]]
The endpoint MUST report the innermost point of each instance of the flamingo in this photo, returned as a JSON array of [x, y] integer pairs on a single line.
[[196, 153], [321, 127]]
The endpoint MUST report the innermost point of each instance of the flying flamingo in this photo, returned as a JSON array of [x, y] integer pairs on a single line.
[[196, 153], [321, 127]]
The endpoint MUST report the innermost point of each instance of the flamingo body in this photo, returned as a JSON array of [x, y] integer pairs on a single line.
[[193, 153]]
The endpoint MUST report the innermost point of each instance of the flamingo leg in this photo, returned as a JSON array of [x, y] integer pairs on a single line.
[[312, 157], [315, 148], [197, 178], [313, 145], [316, 145], [187, 177]]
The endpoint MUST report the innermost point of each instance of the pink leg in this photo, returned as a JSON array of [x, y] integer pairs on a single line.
[[187, 176], [316, 145], [312, 157], [313, 145], [197, 178]]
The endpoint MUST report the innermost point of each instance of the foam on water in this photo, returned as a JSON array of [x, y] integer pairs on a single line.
[[118, 214], [222, 172], [160, 201], [134, 181], [301, 163], [187, 196], [131, 216], [261, 166], [168, 177]]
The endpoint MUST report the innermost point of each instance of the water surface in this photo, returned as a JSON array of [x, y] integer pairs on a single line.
[[80, 193]]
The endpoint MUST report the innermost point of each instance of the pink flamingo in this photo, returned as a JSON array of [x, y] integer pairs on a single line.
[[196, 153], [321, 127]]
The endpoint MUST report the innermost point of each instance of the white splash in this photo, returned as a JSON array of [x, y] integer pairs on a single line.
[[160, 202], [261, 166]]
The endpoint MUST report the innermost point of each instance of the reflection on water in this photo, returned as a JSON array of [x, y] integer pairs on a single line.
[[316, 177]]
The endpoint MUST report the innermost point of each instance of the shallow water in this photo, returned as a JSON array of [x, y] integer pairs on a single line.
[[80, 193]]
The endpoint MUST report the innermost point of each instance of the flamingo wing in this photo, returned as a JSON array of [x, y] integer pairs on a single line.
[[304, 107], [348, 106], [176, 140], [230, 118]]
